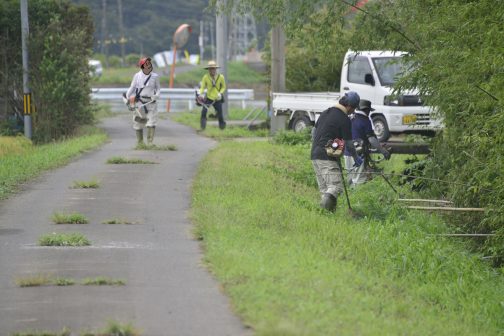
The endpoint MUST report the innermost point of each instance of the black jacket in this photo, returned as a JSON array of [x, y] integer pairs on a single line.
[[332, 123]]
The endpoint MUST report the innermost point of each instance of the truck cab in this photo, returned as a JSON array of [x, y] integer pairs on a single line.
[[372, 75]]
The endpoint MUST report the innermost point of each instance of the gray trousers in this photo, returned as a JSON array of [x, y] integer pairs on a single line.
[[328, 177], [355, 175]]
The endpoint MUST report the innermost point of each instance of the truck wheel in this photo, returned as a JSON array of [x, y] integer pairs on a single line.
[[300, 123], [381, 128]]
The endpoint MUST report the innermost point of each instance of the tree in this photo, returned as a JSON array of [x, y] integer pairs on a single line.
[[60, 45], [148, 26], [456, 55]]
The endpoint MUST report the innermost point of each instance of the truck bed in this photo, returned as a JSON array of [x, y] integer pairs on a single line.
[[315, 102]]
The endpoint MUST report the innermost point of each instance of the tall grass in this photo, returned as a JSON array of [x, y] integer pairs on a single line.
[[23, 164], [14, 145], [293, 269], [192, 119]]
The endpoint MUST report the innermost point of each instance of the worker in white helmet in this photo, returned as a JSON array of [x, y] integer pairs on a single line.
[[143, 94]]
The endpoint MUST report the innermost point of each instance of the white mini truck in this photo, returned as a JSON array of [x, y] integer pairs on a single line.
[[372, 75]]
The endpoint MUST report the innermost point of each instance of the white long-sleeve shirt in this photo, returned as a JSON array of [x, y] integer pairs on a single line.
[[152, 89]]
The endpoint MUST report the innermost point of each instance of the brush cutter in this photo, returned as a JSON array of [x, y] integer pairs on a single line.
[[137, 109], [344, 186], [201, 101]]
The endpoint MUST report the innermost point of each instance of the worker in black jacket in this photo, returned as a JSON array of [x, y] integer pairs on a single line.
[[333, 128]]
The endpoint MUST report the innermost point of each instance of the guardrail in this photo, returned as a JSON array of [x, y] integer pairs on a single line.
[[239, 95]]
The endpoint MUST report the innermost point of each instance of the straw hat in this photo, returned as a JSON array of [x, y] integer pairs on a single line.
[[212, 65]]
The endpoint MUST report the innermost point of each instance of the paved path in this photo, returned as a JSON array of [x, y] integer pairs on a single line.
[[167, 292]]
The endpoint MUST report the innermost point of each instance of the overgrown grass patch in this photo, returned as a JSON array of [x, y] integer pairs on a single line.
[[103, 281], [64, 239], [92, 184], [34, 280], [21, 165], [63, 282], [43, 280], [73, 218], [46, 280], [115, 328], [64, 332], [292, 269], [155, 147], [14, 145], [118, 221], [121, 160]]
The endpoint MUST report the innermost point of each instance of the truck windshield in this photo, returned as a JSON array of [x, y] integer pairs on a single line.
[[389, 69]]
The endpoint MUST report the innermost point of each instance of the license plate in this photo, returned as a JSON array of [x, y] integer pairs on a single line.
[[409, 119]]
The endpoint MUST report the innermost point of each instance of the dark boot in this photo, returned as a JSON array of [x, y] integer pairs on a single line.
[[150, 134], [139, 135], [203, 123], [328, 202]]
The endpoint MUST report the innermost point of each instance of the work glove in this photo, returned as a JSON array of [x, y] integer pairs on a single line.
[[131, 103], [386, 154], [219, 96], [358, 162], [200, 99]]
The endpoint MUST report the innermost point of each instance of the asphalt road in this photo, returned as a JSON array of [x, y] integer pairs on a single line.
[[167, 291]]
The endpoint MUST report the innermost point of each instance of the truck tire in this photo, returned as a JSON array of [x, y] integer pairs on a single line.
[[300, 123], [381, 128]]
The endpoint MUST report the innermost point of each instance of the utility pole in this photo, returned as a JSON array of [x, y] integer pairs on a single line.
[[104, 47], [212, 40], [277, 73], [200, 41], [122, 39], [222, 49], [103, 33], [28, 107]]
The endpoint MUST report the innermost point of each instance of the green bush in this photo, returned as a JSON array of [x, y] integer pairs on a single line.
[[114, 61], [132, 59], [60, 44], [461, 81]]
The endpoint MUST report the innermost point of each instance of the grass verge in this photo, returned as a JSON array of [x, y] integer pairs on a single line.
[[293, 269], [64, 239], [192, 119], [14, 145], [27, 161]]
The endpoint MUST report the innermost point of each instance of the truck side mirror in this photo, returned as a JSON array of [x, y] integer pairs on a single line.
[[368, 78]]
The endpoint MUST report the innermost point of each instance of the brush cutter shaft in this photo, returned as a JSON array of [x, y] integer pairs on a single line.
[[344, 184]]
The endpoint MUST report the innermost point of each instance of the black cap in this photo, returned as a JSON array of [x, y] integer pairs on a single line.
[[365, 105]]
